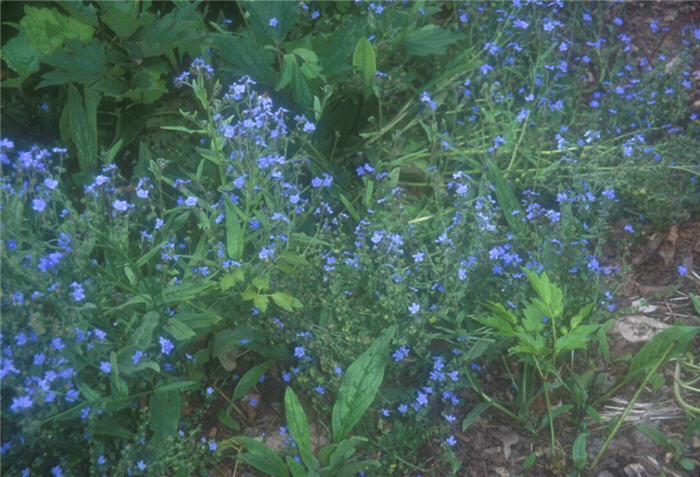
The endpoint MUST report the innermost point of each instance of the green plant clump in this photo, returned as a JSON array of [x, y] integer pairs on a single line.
[[361, 211]]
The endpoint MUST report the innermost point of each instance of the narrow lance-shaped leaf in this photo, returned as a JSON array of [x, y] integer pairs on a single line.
[[360, 385]]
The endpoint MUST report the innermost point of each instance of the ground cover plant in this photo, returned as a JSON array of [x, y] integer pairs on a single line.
[[375, 222]]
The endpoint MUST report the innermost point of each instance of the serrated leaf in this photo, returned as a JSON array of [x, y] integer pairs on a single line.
[[76, 64], [250, 379], [20, 55], [430, 40], [286, 301], [47, 29], [360, 385], [261, 14], [242, 56], [121, 17]]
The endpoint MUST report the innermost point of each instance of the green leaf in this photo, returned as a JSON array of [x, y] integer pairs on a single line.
[[648, 356], [195, 321], [262, 458], [83, 130], [286, 71], [48, 29], [182, 28], [119, 387], [505, 197], [654, 434], [76, 64], [250, 379], [234, 235], [179, 330], [230, 280], [89, 393], [286, 301], [176, 386], [122, 17], [475, 412], [165, 409], [696, 303], [143, 334], [360, 385], [186, 291], [430, 40], [110, 428], [286, 14], [227, 420], [365, 60], [570, 342], [298, 426], [579, 454], [242, 56], [20, 55], [295, 467], [146, 86]]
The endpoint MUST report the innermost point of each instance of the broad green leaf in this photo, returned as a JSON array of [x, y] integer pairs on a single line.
[[475, 412], [48, 29], [569, 343], [242, 56], [20, 55], [299, 427], [261, 457], [650, 353], [344, 450], [286, 71], [430, 40], [227, 420], [80, 11], [178, 329], [579, 454], [142, 336], [108, 427], [230, 280], [181, 28], [76, 63], [121, 17], [365, 60], [696, 303], [263, 13], [360, 385], [295, 467], [262, 281], [250, 379], [165, 408], [146, 86], [286, 301]]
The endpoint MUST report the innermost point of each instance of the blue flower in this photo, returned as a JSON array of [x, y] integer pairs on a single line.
[[299, 352], [39, 204], [105, 367], [136, 357], [212, 446], [120, 205], [273, 22], [166, 346], [682, 270], [414, 308], [141, 465], [400, 353], [22, 402], [191, 201], [451, 441]]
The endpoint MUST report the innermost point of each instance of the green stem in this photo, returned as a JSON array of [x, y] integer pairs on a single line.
[[628, 409], [490, 400], [549, 405]]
